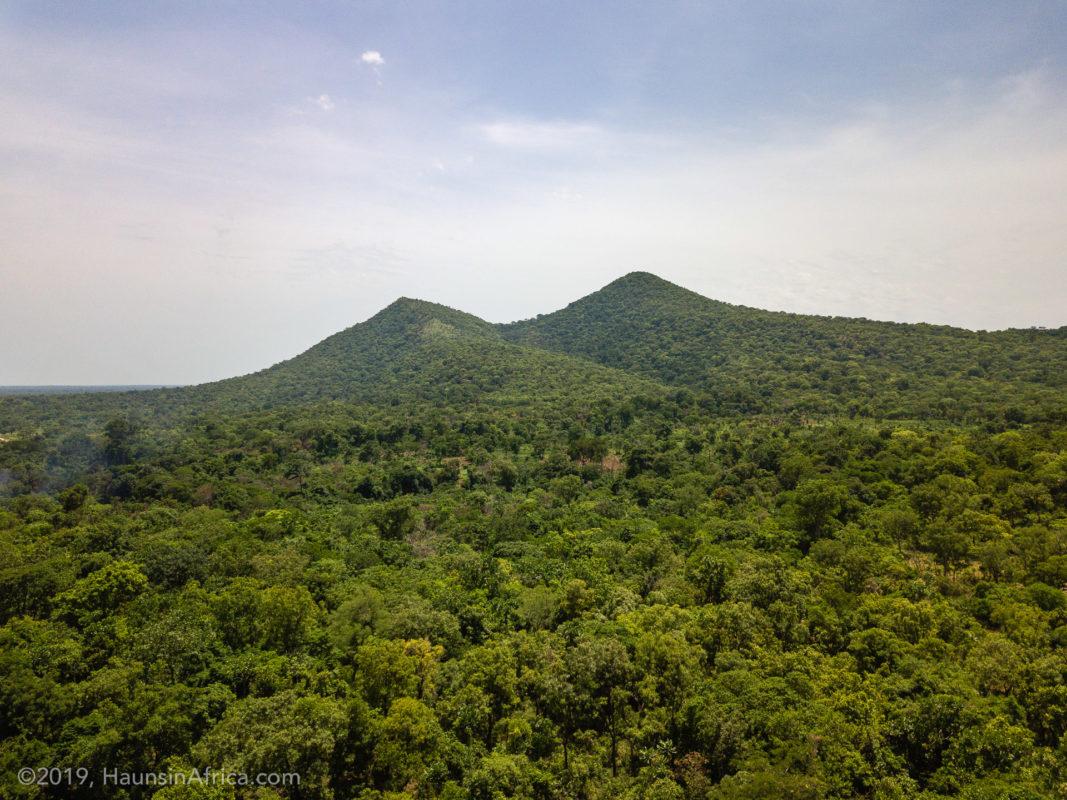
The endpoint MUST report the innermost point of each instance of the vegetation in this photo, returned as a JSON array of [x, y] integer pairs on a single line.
[[753, 361], [434, 557]]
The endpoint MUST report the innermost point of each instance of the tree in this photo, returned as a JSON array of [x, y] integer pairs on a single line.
[[818, 504], [390, 669], [287, 732], [118, 442], [100, 593], [409, 742], [287, 617]]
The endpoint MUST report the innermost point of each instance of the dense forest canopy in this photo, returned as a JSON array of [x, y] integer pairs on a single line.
[[649, 546]]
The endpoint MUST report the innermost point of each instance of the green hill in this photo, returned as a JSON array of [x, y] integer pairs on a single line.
[[419, 351], [410, 352], [763, 361]]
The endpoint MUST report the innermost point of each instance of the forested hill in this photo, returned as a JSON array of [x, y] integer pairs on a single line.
[[757, 361], [419, 351], [411, 352]]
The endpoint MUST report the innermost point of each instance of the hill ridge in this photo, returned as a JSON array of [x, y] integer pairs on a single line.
[[753, 360]]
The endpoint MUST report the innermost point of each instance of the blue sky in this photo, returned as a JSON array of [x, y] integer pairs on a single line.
[[198, 190]]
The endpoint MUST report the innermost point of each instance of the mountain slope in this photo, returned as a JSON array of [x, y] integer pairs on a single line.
[[410, 352], [754, 360], [415, 350]]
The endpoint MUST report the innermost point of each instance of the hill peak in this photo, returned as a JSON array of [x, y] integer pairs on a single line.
[[641, 286], [639, 278], [407, 312], [403, 305], [415, 302]]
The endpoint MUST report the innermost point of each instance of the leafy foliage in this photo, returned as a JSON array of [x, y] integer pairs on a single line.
[[422, 560]]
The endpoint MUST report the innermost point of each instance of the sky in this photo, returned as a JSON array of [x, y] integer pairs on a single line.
[[200, 190]]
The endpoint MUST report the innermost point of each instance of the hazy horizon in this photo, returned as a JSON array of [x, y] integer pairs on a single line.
[[189, 193]]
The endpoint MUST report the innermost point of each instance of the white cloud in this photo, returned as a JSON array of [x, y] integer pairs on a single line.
[[324, 102], [374, 60], [525, 135]]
